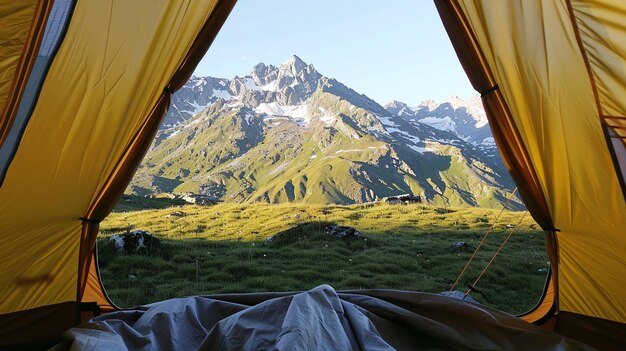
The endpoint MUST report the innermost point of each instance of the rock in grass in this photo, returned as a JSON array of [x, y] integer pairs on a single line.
[[402, 199], [346, 233], [458, 295], [177, 214], [459, 246], [135, 242]]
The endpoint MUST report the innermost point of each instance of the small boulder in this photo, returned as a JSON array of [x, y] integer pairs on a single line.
[[459, 246], [402, 199], [176, 214], [346, 233], [135, 242]]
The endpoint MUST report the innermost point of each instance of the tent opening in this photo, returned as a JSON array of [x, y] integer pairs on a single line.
[[285, 176]]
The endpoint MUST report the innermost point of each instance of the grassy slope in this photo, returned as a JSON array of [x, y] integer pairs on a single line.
[[235, 156], [220, 249]]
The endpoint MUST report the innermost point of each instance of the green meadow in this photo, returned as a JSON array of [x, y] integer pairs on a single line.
[[220, 249]]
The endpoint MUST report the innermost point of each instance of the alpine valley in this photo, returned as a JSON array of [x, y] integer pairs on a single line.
[[290, 134]]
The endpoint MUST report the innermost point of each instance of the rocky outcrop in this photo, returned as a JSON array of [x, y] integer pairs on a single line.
[[402, 199], [199, 199], [345, 233], [135, 242]]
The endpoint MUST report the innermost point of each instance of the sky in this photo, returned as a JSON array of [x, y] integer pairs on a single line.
[[387, 50]]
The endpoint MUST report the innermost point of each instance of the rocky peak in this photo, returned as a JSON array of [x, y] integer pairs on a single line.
[[395, 107], [428, 104], [456, 102], [294, 65], [263, 75]]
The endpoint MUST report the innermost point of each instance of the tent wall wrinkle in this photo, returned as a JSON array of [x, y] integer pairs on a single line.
[[18, 50], [108, 196]]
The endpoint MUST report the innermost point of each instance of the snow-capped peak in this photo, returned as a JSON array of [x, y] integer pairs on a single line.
[[429, 104], [456, 102], [294, 65]]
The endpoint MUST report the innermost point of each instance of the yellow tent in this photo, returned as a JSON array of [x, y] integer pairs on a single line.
[[84, 85], [64, 166], [553, 79]]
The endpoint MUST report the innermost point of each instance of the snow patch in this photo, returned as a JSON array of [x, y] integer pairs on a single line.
[[297, 113], [222, 94], [421, 150], [386, 121], [446, 123], [489, 141], [412, 138], [248, 118], [249, 84], [271, 86], [197, 108]]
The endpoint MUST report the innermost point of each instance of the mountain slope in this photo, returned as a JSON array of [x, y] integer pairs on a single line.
[[290, 134]]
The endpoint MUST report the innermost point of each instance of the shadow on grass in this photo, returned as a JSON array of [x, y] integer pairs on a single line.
[[307, 256]]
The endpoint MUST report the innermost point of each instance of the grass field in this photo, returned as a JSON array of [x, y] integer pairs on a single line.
[[219, 249]]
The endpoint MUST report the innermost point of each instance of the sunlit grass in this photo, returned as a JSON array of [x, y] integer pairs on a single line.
[[219, 249]]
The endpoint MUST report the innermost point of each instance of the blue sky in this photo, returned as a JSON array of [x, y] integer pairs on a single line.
[[384, 49]]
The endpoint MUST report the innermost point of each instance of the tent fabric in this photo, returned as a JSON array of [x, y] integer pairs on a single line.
[[108, 81], [94, 291], [560, 70], [506, 134], [21, 32], [552, 75], [117, 182], [100, 101], [510, 144], [546, 307], [56, 25], [320, 319]]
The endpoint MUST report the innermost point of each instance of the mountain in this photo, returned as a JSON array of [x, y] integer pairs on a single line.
[[465, 118], [291, 134]]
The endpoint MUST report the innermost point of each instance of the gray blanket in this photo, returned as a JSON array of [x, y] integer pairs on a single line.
[[319, 319]]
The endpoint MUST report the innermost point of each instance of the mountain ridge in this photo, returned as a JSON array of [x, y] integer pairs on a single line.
[[291, 134]]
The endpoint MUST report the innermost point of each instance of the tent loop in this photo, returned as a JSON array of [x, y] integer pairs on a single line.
[[482, 241], [168, 90], [89, 220], [489, 91]]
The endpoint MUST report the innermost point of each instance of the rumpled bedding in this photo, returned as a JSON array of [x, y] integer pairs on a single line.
[[318, 319]]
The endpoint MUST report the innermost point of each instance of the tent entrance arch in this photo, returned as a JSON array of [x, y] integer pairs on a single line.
[[545, 103]]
